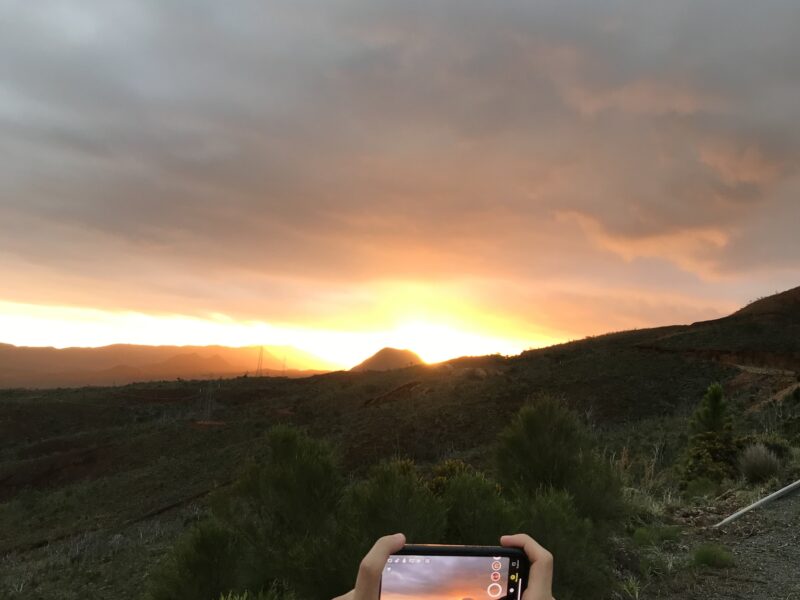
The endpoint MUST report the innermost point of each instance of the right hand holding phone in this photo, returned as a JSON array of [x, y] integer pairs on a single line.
[[540, 581]]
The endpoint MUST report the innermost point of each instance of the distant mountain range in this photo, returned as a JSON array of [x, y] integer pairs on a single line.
[[388, 359], [766, 332], [124, 363]]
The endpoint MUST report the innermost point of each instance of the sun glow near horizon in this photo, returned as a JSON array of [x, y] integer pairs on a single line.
[[434, 340]]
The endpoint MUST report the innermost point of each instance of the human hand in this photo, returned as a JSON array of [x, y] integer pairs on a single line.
[[368, 582], [540, 581]]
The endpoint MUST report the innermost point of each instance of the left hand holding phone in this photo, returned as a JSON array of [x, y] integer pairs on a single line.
[[368, 582]]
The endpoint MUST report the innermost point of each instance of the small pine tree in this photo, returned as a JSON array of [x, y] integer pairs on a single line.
[[712, 452], [712, 414]]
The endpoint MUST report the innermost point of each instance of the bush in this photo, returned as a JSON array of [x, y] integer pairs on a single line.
[[200, 567], [710, 456], [564, 493], [581, 569], [262, 525], [275, 592], [794, 397], [758, 463], [713, 555], [292, 490], [702, 487], [476, 512], [444, 471], [290, 494], [655, 536], [393, 498], [777, 444], [774, 442], [547, 446], [290, 517]]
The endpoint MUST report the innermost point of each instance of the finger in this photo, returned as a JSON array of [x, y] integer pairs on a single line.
[[368, 582], [541, 576]]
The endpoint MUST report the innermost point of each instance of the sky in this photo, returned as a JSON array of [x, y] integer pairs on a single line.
[[455, 177]]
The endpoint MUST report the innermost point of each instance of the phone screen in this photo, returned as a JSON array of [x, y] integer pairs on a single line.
[[450, 578]]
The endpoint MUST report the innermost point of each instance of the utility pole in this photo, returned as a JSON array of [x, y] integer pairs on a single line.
[[259, 370]]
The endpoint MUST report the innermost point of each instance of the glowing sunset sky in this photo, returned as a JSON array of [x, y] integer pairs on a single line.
[[456, 177]]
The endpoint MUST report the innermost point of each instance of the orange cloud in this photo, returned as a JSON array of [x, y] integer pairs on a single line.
[[739, 164], [691, 249]]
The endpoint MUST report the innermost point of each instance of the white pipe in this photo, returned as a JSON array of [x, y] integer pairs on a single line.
[[774, 496]]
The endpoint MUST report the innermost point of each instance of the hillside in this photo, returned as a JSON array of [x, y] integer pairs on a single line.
[[126, 363], [764, 333], [785, 305], [105, 479], [388, 359]]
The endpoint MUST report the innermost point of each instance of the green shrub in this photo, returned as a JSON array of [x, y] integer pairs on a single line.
[[758, 463], [702, 487], [476, 511], [201, 566], [710, 456], [655, 536], [794, 397], [275, 592], [790, 427], [287, 499], [262, 525], [292, 490], [712, 555], [546, 446], [444, 471], [393, 498], [776, 444], [581, 569]]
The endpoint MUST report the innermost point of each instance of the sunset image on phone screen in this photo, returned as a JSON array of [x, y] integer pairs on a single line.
[[445, 578]]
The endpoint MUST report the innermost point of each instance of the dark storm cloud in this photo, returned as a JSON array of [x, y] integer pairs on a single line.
[[241, 156]]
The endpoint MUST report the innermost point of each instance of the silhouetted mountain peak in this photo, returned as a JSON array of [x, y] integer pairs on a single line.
[[388, 359]]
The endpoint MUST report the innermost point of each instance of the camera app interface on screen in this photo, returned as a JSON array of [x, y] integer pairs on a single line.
[[450, 578]]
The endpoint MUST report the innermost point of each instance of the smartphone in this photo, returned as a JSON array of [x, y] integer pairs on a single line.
[[433, 572]]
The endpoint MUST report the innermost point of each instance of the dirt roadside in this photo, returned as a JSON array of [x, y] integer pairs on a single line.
[[766, 548]]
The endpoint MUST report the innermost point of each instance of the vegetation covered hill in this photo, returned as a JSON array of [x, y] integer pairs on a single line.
[[97, 484], [766, 333]]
